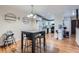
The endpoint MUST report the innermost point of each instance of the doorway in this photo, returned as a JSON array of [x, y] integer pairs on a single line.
[[73, 27]]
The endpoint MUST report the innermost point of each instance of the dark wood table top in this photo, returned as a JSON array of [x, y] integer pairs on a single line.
[[33, 31]]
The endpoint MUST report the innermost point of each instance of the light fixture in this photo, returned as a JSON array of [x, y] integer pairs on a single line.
[[73, 12], [31, 15]]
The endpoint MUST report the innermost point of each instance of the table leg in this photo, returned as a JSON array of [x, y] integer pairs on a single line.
[[33, 45], [40, 44], [22, 42], [44, 43]]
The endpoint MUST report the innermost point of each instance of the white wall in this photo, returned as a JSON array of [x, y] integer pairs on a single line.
[[15, 26]]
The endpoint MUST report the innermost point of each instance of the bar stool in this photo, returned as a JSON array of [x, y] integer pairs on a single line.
[[26, 43], [37, 42]]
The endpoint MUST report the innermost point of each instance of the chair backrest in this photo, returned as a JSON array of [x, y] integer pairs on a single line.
[[9, 33]]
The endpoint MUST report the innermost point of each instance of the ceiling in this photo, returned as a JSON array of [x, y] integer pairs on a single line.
[[48, 11]]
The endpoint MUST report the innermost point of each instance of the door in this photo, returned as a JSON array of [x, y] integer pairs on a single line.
[[73, 27]]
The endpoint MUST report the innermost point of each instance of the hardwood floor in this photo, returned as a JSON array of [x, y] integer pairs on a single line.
[[67, 45]]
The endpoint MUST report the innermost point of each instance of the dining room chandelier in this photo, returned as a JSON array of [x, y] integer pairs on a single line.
[[31, 15]]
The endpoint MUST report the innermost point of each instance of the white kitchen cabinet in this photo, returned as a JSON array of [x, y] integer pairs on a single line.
[[77, 35]]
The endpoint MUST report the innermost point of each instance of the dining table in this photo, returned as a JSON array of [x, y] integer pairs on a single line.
[[32, 35]]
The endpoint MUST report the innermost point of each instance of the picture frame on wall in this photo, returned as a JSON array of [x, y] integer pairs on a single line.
[[10, 17], [25, 20]]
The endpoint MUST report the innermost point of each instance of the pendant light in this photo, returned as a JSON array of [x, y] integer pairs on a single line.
[[31, 15]]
